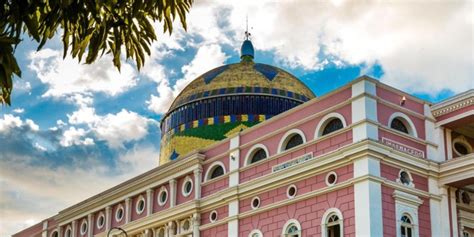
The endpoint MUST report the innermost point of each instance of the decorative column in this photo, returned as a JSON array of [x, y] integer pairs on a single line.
[[108, 218], [60, 231], [445, 226], [44, 233], [196, 223], [454, 213], [128, 210], [197, 183], [172, 192], [90, 224], [449, 146], [171, 228], [234, 164], [364, 110], [149, 201], [368, 198], [73, 228]]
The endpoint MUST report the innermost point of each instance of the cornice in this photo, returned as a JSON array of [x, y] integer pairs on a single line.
[[454, 103]]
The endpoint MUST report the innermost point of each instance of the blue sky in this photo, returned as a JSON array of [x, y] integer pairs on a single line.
[[74, 130]]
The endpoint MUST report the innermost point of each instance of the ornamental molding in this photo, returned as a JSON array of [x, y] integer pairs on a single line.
[[455, 103]]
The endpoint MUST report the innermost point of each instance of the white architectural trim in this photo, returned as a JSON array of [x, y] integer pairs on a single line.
[[252, 150], [101, 215], [256, 231], [406, 121], [462, 140], [286, 137], [288, 191], [198, 181], [449, 144], [149, 201], [411, 184], [183, 191], [211, 169], [160, 193], [54, 232], [406, 204], [325, 120], [257, 206], [290, 222], [140, 199], [324, 220], [117, 218], [327, 177]]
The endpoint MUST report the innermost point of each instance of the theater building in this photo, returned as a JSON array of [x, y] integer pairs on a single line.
[[248, 150]]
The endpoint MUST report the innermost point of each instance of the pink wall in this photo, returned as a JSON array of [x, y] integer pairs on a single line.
[[303, 186], [384, 112], [114, 209], [396, 98], [391, 173], [156, 192], [135, 200], [402, 140], [214, 186], [180, 199], [318, 149], [389, 215], [217, 150], [222, 212], [308, 212], [94, 224], [220, 230], [298, 115]]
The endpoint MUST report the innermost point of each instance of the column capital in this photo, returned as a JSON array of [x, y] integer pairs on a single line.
[[172, 181]]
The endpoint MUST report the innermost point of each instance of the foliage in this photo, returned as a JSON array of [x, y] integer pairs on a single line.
[[90, 28]]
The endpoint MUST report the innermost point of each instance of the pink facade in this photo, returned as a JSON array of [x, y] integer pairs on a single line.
[[354, 154]]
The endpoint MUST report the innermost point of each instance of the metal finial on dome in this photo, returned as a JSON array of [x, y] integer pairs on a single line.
[[247, 51]]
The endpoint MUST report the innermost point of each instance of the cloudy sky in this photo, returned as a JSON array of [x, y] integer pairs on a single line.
[[75, 130]]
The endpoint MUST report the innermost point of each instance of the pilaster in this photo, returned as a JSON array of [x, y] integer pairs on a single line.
[[364, 109], [108, 218], [454, 213], [196, 224], [197, 183], [234, 161], [172, 192], [368, 198], [90, 225], [44, 233], [149, 201], [74, 228], [449, 140], [128, 210]]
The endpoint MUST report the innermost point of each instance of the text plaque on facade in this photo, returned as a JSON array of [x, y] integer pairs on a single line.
[[403, 148], [293, 162]]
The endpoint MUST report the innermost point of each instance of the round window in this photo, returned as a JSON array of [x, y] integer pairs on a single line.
[[291, 191], [461, 148], [140, 206], [255, 203], [187, 187], [162, 196], [100, 221], [83, 227], [213, 216], [119, 214], [331, 178]]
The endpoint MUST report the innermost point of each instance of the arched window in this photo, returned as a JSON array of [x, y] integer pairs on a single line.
[[259, 155], [402, 123], [161, 232], [292, 228], [332, 126], [256, 153], [55, 234], [256, 233], [406, 227], [215, 170], [332, 223], [397, 124], [329, 123], [294, 141]]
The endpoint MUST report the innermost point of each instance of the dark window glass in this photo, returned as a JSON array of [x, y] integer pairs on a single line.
[[460, 148], [397, 124], [332, 126], [163, 197], [259, 155], [188, 187], [295, 140], [405, 178], [218, 171], [466, 199]]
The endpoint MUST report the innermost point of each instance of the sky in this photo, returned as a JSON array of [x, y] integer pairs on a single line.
[[74, 130]]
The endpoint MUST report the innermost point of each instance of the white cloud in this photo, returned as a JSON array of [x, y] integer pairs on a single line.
[[122, 127], [10, 121], [18, 110], [74, 136], [207, 57], [68, 77], [40, 192]]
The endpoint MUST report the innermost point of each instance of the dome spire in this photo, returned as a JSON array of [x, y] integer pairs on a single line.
[[247, 51]]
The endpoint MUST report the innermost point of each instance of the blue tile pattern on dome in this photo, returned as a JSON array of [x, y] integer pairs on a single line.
[[208, 76], [268, 71], [174, 155]]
